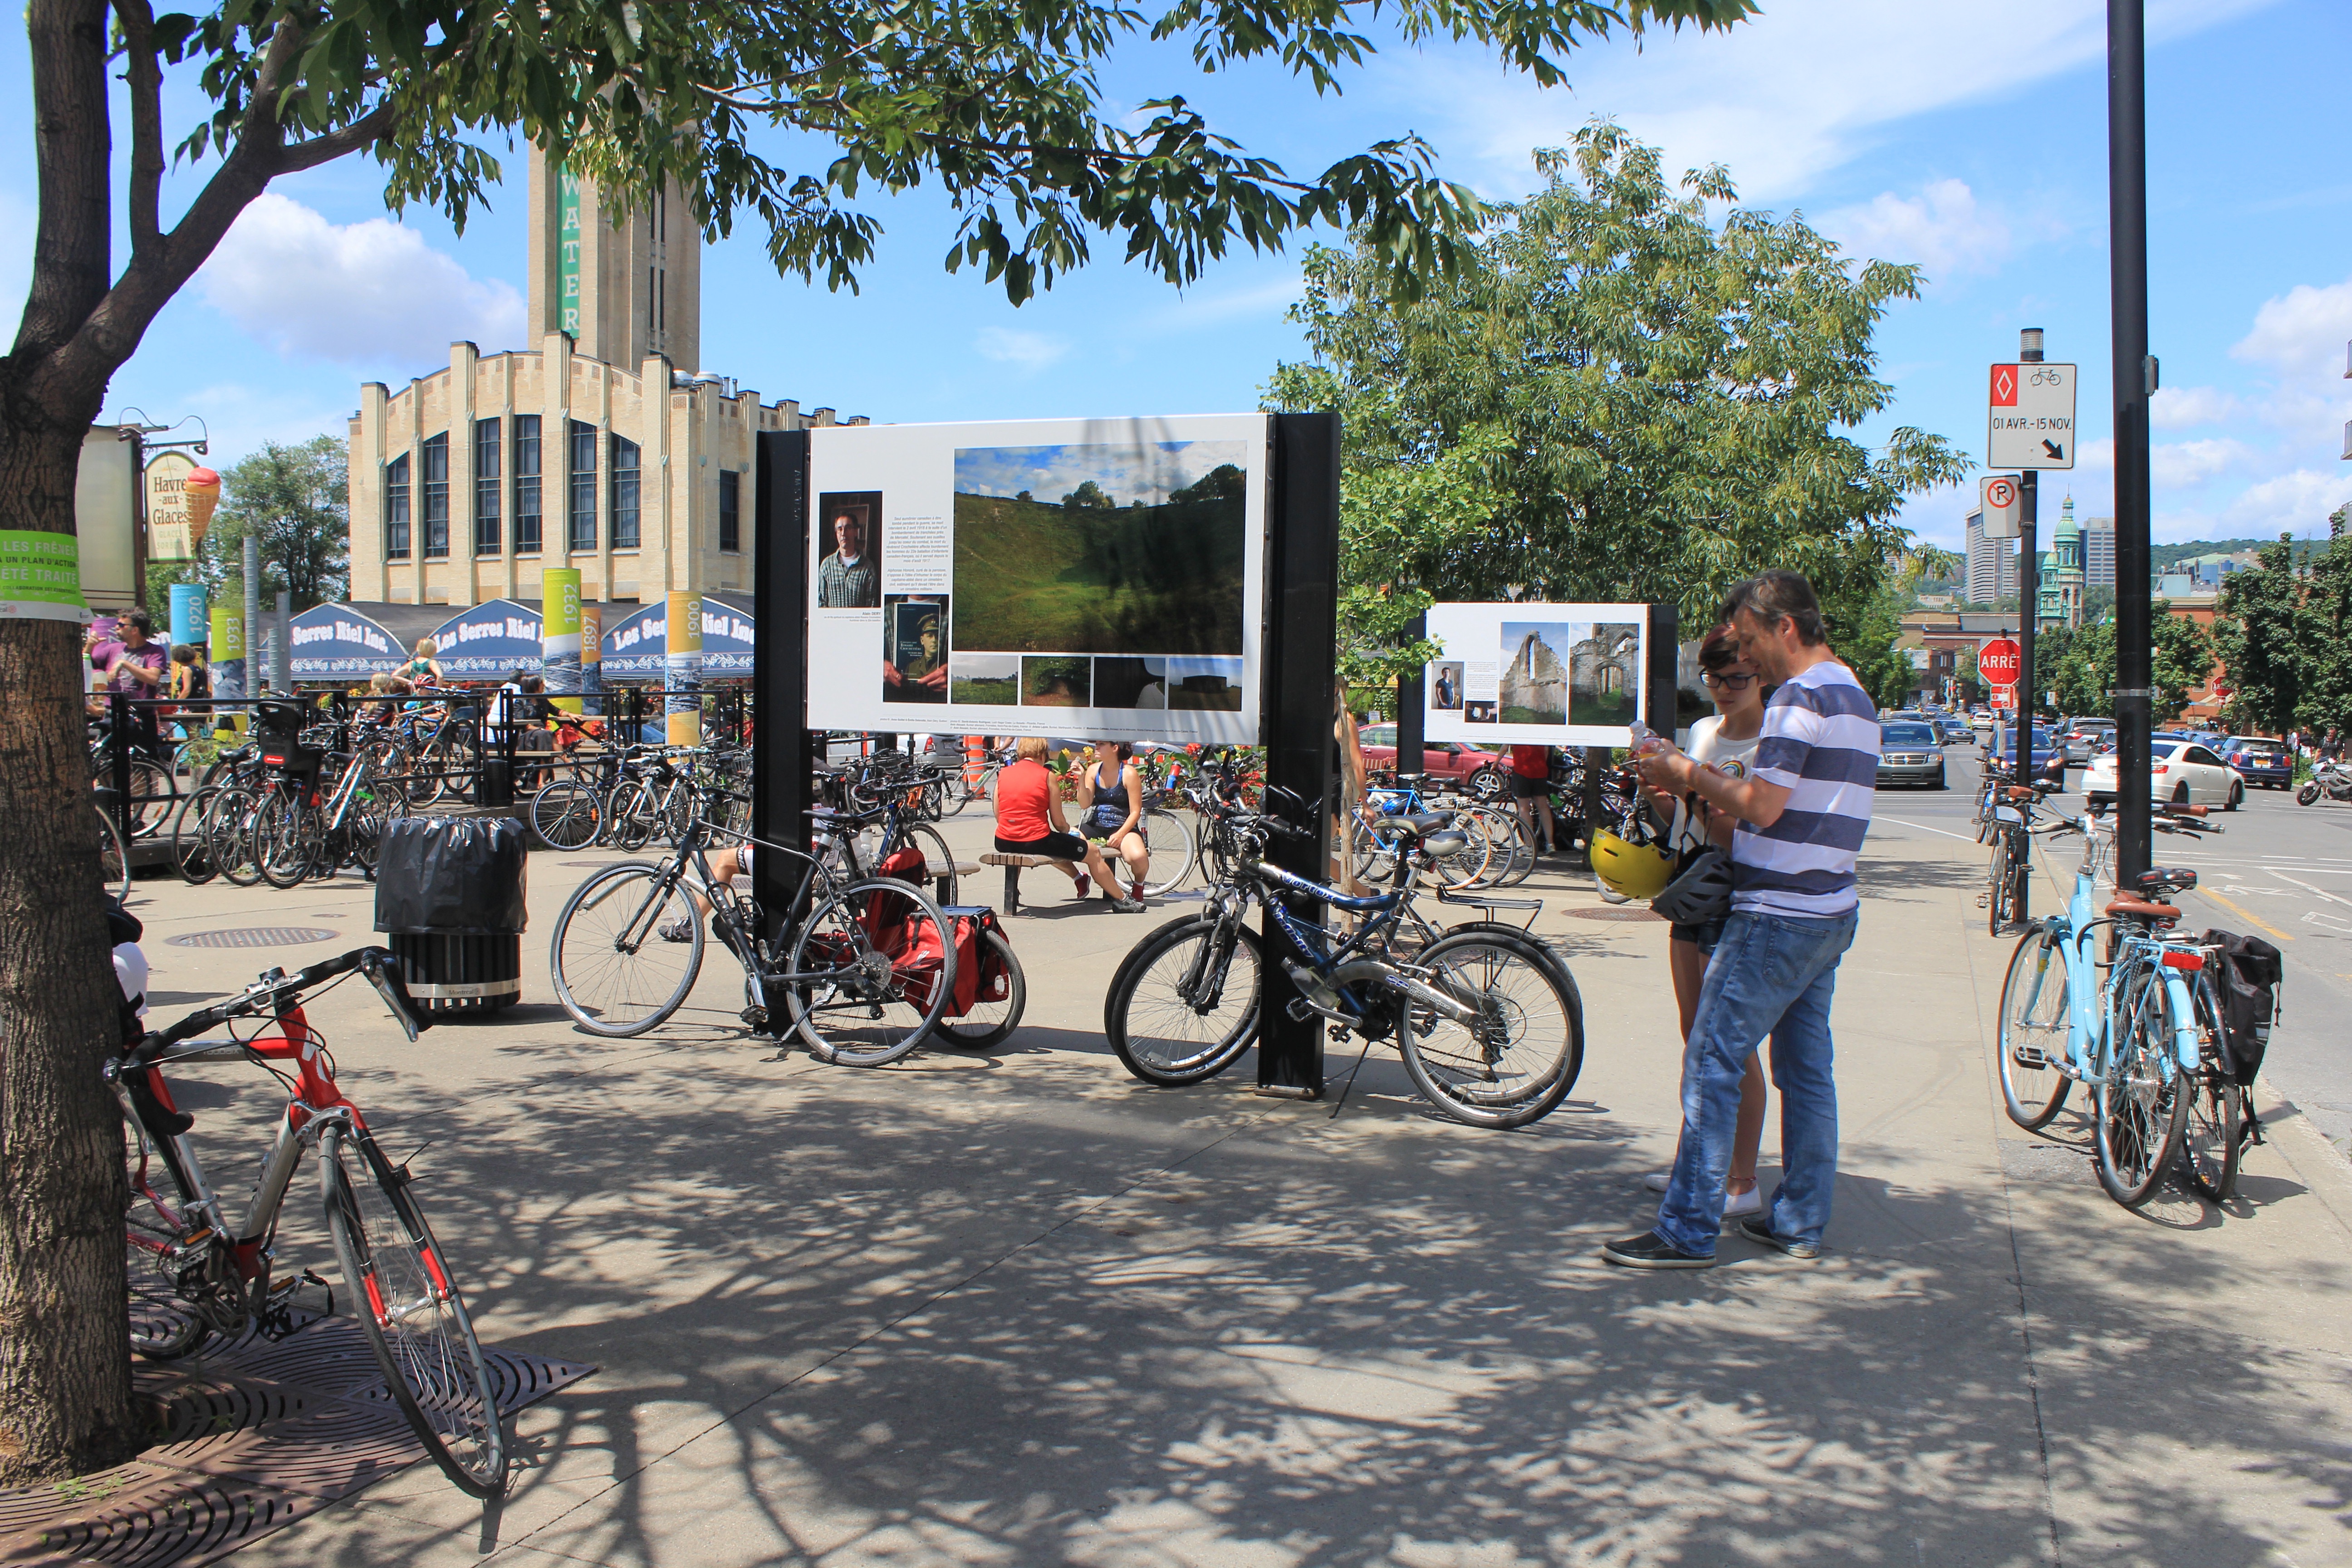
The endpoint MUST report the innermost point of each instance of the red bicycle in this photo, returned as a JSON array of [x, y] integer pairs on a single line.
[[192, 1274]]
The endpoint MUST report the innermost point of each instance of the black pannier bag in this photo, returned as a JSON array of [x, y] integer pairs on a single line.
[[2247, 982]]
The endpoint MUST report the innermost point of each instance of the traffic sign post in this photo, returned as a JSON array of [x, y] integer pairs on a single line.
[[2030, 415]]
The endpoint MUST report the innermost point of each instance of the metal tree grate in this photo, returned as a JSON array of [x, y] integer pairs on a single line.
[[1616, 912], [255, 936], [259, 1434]]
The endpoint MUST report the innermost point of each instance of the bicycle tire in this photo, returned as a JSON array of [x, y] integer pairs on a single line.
[[1168, 842], [190, 857], [872, 1003], [2032, 1021], [615, 975], [986, 1023], [2141, 1102], [163, 1327], [231, 840], [2020, 875], [1513, 845], [113, 865], [407, 1299], [566, 815], [1171, 1059], [2213, 1124], [944, 883], [1491, 1083], [293, 841], [1997, 888]]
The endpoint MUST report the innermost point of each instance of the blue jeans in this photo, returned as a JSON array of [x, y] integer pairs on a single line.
[[1770, 975]]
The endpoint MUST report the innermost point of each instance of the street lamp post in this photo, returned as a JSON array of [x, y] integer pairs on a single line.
[[2133, 374], [2029, 590]]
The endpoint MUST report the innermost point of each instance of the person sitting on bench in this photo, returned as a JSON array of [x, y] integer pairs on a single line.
[[1029, 821]]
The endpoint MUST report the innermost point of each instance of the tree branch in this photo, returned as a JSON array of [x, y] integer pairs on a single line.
[[369, 127], [145, 75]]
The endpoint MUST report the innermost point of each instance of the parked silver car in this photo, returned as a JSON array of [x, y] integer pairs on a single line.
[[2087, 738], [1910, 753]]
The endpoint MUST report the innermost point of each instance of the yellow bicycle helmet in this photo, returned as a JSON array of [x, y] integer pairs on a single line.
[[1632, 870]]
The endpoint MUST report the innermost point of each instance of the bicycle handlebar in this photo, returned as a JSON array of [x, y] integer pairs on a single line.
[[275, 985]]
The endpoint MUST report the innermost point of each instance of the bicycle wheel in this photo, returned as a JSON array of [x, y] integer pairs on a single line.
[[1997, 888], [1519, 1058], [190, 857], [2035, 1023], [614, 970], [2214, 1122], [287, 838], [1170, 844], [1513, 854], [2140, 1101], [1372, 854], [153, 796], [938, 859], [229, 838], [113, 865], [414, 1314], [990, 1019], [1183, 1005], [566, 815], [634, 815], [872, 968]]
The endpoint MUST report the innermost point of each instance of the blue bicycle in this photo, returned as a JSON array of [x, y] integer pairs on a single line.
[[2140, 1041]]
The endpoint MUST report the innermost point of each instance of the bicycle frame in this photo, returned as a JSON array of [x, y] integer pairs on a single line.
[[317, 1103], [2094, 1008]]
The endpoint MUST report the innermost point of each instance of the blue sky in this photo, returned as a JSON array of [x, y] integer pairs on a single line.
[[1967, 135], [1148, 473]]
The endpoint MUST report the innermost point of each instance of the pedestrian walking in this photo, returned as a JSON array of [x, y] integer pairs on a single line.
[[1802, 814]]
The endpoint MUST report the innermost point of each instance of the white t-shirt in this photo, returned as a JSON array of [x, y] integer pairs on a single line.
[[1710, 747]]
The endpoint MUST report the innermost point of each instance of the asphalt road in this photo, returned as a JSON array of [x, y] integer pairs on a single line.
[[2278, 869]]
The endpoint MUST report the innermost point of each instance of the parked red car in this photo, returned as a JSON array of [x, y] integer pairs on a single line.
[[1447, 761]]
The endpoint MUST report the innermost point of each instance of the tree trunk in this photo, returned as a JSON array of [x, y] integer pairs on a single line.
[[64, 1354]]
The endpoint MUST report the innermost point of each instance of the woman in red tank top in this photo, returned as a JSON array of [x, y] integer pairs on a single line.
[[1029, 821]]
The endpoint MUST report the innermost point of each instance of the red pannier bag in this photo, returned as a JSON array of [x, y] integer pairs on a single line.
[[980, 971]]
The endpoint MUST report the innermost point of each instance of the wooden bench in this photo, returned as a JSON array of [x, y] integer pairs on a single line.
[[1013, 865]]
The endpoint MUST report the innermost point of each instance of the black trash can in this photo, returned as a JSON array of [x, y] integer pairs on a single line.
[[449, 894]]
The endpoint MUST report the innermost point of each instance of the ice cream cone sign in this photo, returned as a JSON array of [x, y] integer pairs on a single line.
[[202, 488]]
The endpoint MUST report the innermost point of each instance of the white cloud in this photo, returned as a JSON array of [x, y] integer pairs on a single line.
[[2182, 464], [357, 293], [1786, 96], [2186, 408], [2300, 330], [1943, 228], [2293, 502], [1029, 351]]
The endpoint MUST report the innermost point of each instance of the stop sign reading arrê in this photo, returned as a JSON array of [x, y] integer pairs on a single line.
[[1998, 662]]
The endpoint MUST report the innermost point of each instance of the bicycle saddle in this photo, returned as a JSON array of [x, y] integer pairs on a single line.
[[1420, 822], [1410, 781], [2019, 791], [1445, 843], [2158, 881], [2125, 907]]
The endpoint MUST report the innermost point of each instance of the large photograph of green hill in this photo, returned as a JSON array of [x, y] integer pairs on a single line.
[[1134, 549]]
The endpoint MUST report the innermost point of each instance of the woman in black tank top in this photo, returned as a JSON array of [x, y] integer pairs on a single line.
[[1115, 811]]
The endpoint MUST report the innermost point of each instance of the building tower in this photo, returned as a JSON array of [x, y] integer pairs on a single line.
[[622, 290], [1991, 564]]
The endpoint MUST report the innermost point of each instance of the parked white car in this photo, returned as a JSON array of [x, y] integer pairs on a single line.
[[2178, 771]]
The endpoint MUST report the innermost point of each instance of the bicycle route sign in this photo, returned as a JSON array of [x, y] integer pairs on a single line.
[[1999, 661], [2030, 416]]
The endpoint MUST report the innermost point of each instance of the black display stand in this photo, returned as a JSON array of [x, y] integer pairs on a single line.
[[783, 752], [1298, 712]]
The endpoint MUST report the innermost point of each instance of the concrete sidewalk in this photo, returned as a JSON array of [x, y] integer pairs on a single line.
[[1022, 1309]]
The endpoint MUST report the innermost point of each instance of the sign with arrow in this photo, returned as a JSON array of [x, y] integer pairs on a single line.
[[2030, 416]]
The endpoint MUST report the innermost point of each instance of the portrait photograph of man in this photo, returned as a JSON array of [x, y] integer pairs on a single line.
[[915, 667], [849, 578]]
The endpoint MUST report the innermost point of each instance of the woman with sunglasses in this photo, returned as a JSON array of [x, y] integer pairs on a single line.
[[1726, 742]]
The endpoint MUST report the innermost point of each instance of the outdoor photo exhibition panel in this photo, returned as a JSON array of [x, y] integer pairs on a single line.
[[1069, 577], [1554, 675]]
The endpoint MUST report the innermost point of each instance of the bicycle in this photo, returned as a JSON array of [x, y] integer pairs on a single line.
[[1487, 1020], [113, 865], [862, 969], [2133, 1040], [192, 1274], [2012, 867]]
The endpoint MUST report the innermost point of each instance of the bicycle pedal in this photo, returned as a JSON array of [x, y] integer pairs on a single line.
[[754, 1018], [2030, 1057]]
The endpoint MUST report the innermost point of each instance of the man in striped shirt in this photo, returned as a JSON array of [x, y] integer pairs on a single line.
[[1799, 820]]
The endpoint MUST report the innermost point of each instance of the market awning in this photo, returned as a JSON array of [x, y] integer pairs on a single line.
[[335, 642], [637, 646], [489, 641]]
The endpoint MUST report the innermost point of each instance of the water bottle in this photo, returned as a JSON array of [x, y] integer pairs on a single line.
[[1647, 742]]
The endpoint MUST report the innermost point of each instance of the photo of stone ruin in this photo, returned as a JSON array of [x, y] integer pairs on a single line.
[[1605, 675], [1534, 688]]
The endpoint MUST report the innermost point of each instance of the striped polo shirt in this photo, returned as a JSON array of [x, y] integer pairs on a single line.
[[1821, 744]]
